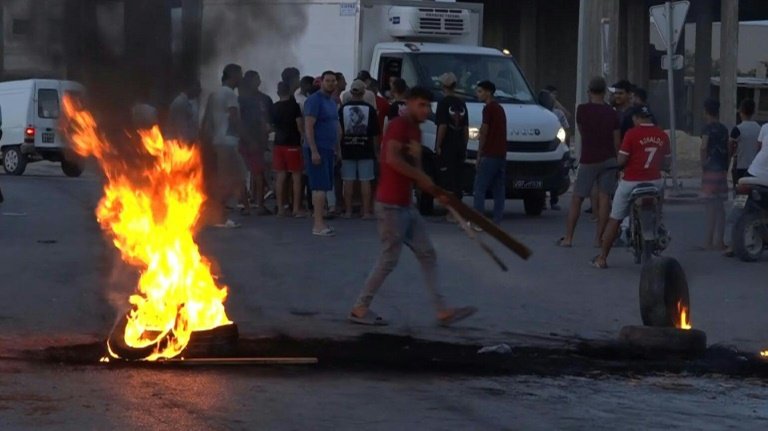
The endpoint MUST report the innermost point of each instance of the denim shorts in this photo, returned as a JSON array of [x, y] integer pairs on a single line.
[[320, 176], [353, 170]]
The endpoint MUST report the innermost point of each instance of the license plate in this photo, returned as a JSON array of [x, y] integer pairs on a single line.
[[740, 201], [49, 137], [528, 184]]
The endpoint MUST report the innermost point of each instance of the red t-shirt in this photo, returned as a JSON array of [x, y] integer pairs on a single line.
[[646, 146], [597, 122], [395, 188], [496, 139]]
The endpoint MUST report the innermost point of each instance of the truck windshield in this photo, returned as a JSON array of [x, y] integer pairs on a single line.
[[425, 69]]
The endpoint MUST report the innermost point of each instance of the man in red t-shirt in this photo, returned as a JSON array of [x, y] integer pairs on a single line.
[[492, 153], [644, 152], [399, 222]]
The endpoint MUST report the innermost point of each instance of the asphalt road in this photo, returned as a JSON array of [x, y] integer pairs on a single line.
[[63, 283]]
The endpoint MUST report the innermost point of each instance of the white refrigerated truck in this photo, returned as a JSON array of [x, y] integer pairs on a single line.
[[418, 41]]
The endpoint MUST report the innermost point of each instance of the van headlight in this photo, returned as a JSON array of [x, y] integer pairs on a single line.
[[561, 135], [474, 133]]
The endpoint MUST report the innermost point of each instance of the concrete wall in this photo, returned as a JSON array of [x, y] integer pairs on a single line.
[[543, 38], [36, 47]]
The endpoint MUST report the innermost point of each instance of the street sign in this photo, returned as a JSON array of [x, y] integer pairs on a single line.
[[678, 62], [661, 22]]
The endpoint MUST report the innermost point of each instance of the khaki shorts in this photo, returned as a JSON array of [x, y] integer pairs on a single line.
[[604, 174], [620, 206]]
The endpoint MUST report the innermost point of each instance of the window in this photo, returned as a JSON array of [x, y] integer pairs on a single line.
[[425, 69], [21, 27], [48, 103]]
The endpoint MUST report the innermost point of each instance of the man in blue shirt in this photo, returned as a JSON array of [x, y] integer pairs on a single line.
[[323, 146]]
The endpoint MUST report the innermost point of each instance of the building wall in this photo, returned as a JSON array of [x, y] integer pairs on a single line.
[[32, 38]]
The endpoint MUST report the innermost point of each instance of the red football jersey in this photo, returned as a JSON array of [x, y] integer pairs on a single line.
[[646, 146]]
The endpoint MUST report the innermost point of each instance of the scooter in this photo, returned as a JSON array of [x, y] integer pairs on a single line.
[[647, 235], [750, 232]]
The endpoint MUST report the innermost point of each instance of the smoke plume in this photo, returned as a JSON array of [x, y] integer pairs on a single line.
[[258, 35]]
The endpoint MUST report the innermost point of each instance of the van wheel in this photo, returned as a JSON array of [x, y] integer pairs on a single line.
[[14, 162], [71, 169], [534, 203]]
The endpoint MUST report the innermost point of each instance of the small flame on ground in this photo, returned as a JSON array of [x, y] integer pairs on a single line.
[[764, 354], [151, 213], [684, 319]]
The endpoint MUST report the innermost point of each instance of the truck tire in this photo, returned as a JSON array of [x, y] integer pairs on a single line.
[[534, 203], [71, 169], [749, 236], [14, 161], [662, 285]]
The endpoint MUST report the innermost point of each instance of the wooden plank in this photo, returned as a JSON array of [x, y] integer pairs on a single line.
[[241, 361], [482, 222]]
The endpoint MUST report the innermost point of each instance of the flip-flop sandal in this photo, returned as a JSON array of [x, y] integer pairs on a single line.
[[597, 265], [325, 232], [458, 315], [559, 243], [229, 224], [370, 319]]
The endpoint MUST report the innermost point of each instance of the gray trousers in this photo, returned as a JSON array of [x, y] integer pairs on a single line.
[[400, 226]]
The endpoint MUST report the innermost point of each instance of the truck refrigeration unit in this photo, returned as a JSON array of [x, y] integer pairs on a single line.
[[417, 41]]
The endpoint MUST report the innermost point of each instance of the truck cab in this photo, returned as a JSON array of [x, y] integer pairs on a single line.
[[537, 156]]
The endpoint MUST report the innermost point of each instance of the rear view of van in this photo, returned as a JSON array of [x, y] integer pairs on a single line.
[[31, 131]]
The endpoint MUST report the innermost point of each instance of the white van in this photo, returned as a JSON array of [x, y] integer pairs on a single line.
[[31, 129]]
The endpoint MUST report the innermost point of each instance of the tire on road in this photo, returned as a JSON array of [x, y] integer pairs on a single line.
[[663, 285], [748, 224], [14, 161], [71, 169]]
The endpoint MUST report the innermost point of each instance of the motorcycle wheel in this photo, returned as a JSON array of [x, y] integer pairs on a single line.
[[749, 236]]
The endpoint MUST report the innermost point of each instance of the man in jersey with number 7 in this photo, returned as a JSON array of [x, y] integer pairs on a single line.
[[644, 152]]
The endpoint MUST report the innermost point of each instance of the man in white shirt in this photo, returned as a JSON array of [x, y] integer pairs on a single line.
[[759, 166], [223, 127], [759, 169]]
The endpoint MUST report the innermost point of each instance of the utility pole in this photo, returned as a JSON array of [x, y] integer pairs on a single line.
[[2, 39], [729, 49]]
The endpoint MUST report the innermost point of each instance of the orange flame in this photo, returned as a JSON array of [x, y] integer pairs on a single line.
[[764, 354], [684, 318], [151, 216]]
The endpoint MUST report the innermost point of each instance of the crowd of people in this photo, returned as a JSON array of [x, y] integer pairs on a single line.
[[623, 147], [326, 143]]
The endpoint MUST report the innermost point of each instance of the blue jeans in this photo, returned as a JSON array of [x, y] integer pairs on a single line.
[[491, 174], [400, 226]]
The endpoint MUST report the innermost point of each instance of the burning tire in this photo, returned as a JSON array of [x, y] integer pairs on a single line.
[[217, 342], [663, 293]]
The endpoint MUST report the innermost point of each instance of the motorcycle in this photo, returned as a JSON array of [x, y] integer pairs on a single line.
[[647, 236], [750, 231]]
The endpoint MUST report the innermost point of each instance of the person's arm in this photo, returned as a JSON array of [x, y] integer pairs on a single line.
[[622, 158], [309, 123], [442, 126], [734, 142], [483, 134], [300, 126], [339, 137], [237, 124], [703, 151], [396, 160]]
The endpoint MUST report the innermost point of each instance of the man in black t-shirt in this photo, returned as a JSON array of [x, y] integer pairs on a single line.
[[452, 121], [360, 132], [286, 157]]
